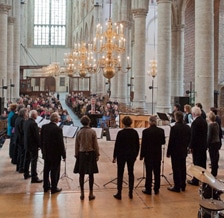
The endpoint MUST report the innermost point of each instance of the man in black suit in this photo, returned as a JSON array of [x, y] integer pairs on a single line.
[[31, 145], [151, 151], [177, 148], [198, 142], [53, 150]]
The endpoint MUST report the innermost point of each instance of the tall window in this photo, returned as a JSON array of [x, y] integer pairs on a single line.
[[49, 22]]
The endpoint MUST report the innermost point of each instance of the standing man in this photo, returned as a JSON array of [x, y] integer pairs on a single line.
[[53, 150], [31, 145], [151, 151], [198, 142], [177, 148]]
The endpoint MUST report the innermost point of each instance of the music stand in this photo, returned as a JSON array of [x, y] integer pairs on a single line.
[[143, 176], [68, 132], [163, 116]]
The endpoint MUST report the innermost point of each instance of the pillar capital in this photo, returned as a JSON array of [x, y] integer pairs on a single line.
[[140, 12], [5, 8], [11, 20]]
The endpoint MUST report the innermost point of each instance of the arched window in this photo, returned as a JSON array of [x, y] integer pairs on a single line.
[[49, 22]]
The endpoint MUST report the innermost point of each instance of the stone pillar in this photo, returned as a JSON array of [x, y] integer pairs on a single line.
[[10, 56], [4, 9], [164, 56], [16, 52], [139, 53], [177, 72], [115, 80], [204, 53], [122, 77]]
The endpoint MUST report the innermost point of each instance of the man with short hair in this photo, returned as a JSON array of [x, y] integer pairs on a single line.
[[177, 148], [53, 150], [151, 151], [31, 145], [198, 141]]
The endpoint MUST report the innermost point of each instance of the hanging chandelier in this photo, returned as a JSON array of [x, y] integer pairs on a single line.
[[80, 61], [109, 47]]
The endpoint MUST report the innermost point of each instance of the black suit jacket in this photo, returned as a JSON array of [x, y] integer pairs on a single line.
[[152, 140], [31, 135], [52, 143], [179, 140], [199, 129]]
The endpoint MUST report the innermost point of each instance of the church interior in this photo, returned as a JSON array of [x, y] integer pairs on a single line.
[[144, 56]]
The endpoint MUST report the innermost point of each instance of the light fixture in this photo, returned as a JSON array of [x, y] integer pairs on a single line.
[[80, 60], [153, 64], [109, 46]]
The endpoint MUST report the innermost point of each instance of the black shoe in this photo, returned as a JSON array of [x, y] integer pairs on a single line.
[[27, 176], [173, 189], [117, 196], [146, 192], [21, 171], [130, 194], [46, 189], [156, 192], [183, 189], [91, 197], [190, 182], [37, 180], [56, 190]]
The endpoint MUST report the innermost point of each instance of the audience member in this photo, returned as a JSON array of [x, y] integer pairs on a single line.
[[188, 116], [203, 114]]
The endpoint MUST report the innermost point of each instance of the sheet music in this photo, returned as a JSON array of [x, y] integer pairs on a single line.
[[44, 121], [139, 130], [38, 119], [69, 131], [99, 132], [113, 133]]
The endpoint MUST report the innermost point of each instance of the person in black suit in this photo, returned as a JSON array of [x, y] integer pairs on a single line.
[[126, 150], [198, 141], [31, 145], [151, 151], [53, 150], [177, 148], [19, 137]]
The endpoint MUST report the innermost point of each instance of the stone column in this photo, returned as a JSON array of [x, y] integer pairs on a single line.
[[16, 52], [122, 77], [177, 72], [4, 9], [139, 53], [10, 56], [204, 53], [164, 56]]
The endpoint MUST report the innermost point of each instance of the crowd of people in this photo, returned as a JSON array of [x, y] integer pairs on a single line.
[[101, 111], [193, 132]]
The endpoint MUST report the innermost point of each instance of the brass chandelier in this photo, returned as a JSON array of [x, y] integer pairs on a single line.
[[80, 60]]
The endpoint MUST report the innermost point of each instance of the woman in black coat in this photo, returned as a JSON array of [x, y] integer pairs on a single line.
[[126, 151]]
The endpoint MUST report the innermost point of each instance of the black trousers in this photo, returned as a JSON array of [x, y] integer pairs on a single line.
[[120, 172], [31, 158], [152, 167], [21, 157], [199, 159], [214, 156], [179, 172], [51, 170]]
